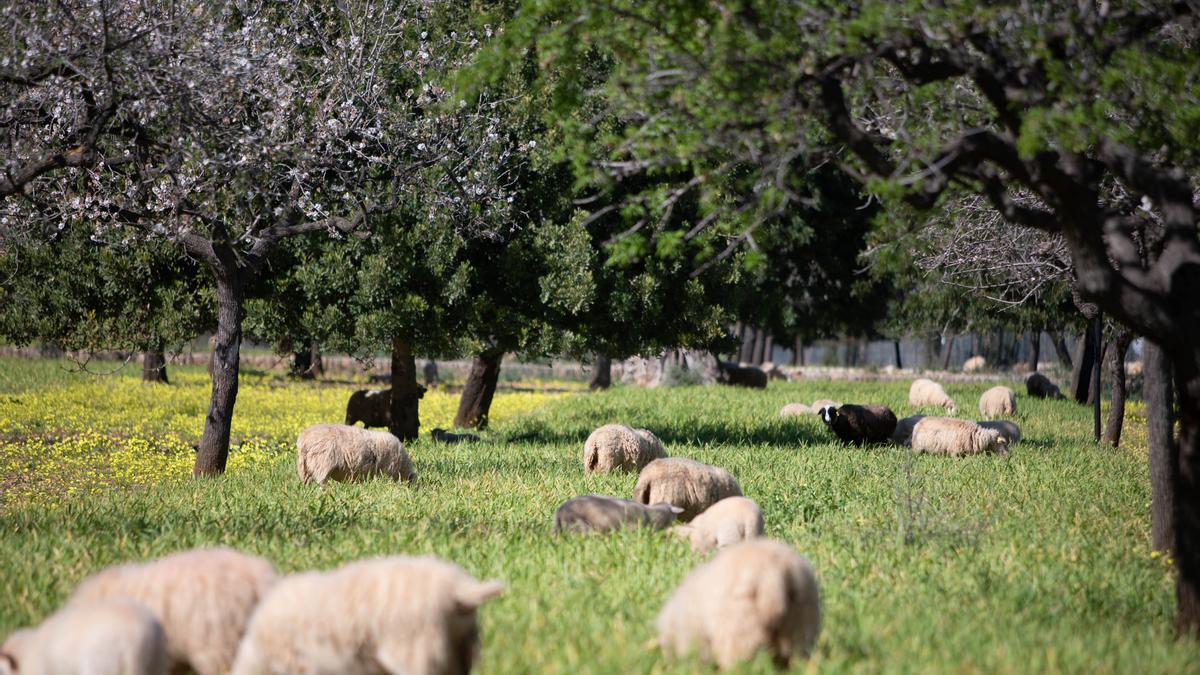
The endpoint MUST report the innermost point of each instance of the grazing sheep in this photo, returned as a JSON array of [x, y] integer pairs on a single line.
[[925, 392], [998, 401], [974, 364], [597, 513], [860, 424], [823, 403], [773, 371], [431, 374], [904, 428], [742, 376], [203, 599], [384, 615], [685, 483], [371, 407], [727, 522], [954, 437], [756, 595], [443, 436], [116, 636], [1038, 385], [795, 410], [616, 447], [1009, 430], [340, 452]]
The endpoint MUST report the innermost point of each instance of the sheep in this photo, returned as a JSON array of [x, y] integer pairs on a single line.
[[742, 376], [443, 436], [860, 424], [974, 364], [203, 599], [954, 437], [904, 428], [597, 513], [616, 447], [998, 401], [823, 403], [340, 452], [756, 595], [685, 483], [400, 614], [1038, 385], [773, 371], [727, 522], [371, 407], [116, 636], [795, 410], [925, 392], [1009, 430]]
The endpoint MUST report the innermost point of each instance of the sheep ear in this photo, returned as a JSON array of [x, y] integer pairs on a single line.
[[675, 509], [475, 593]]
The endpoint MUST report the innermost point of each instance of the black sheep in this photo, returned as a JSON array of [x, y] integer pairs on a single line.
[[860, 424], [1038, 385]]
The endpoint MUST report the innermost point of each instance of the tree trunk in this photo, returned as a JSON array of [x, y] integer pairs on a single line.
[[737, 335], [756, 356], [154, 366], [477, 394], [1060, 348], [747, 348], [406, 393], [949, 353], [1187, 494], [302, 361], [1158, 391], [1081, 374], [1116, 410], [768, 351], [896, 345], [1035, 350], [226, 362], [601, 373], [798, 354], [316, 364]]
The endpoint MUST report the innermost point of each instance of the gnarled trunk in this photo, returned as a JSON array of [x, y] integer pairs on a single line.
[[1060, 348], [601, 373], [406, 393], [226, 361], [1158, 391], [1081, 371], [477, 394], [154, 366], [1116, 410]]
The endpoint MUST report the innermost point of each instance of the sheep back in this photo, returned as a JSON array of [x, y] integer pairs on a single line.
[[340, 452], [998, 401], [598, 513], [756, 595], [372, 407], [616, 447], [203, 598], [1038, 385], [685, 483], [115, 636], [924, 392], [823, 403], [729, 521], [795, 410], [955, 437]]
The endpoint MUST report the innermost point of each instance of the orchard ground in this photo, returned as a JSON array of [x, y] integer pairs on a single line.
[[1039, 562]]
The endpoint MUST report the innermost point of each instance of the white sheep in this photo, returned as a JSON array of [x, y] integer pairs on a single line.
[[998, 401], [925, 392], [795, 410], [340, 452], [974, 364], [820, 403], [955, 437], [616, 447], [756, 595], [203, 599], [686, 483], [1009, 430], [116, 636], [598, 513], [727, 522], [397, 615]]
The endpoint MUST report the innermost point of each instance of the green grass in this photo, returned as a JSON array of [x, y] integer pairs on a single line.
[[1036, 563]]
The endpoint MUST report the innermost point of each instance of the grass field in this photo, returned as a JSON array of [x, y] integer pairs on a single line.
[[1036, 563]]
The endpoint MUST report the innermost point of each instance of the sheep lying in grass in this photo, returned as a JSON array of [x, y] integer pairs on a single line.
[[398, 615], [727, 522], [1009, 430], [340, 452], [756, 595], [1038, 385], [998, 401], [616, 447], [904, 428], [686, 483], [443, 436], [116, 636], [203, 599], [597, 513], [954, 437], [924, 392], [795, 410], [371, 407], [742, 376], [860, 424], [823, 403]]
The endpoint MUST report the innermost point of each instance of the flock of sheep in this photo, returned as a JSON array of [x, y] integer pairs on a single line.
[[219, 610]]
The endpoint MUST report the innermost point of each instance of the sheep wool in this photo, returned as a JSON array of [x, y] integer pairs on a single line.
[[860, 424], [203, 599], [729, 521], [823, 403], [116, 636], [616, 447], [924, 392], [904, 428], [974, 364], [371, 407], [597, 513], [756, 595], [686, 483], [397, 615], [795, 410], [955, 437], [1038, 385], [1009, 430], [340, 452], [998, 401]]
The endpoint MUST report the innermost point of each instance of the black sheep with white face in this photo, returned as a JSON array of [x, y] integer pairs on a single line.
[[859, 424]]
